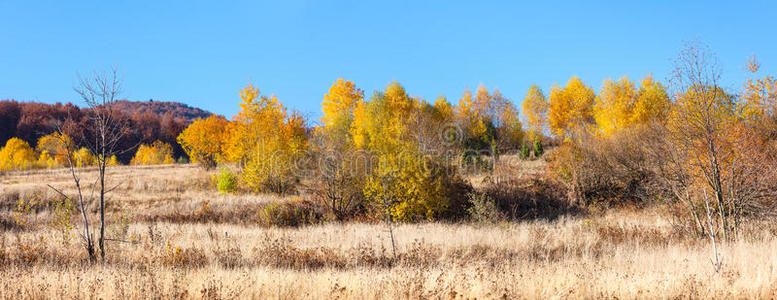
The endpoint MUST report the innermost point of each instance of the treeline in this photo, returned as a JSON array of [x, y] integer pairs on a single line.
[[389, 153], [148, 122], [706, 150]]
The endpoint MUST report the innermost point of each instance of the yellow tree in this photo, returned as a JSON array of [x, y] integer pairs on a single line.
[[483, 101], [54, 149], [339, 104], [403, 184], [535, 108], [472, 114], [443, 110], [619, 105], [84, 158], [503, 116], [614, 105], [203, 140], [16, 155], [155, 154], [466, 109], [570, 108], [760, 99], [239, 142], [653, 103], [264, 138]]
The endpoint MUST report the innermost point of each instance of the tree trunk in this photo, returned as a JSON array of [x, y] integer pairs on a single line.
[[102, 210]]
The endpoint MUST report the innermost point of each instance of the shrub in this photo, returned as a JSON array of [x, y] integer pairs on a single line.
[[289, 214], [226, 181], [340, 189], [414, 188], [524, 151], [61, 215], [183, 257], [45, 160], [528, 198], [483, 209], [606, 170], [538, 149]]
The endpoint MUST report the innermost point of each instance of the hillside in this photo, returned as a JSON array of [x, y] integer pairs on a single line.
[[149, 121], [179, 110]]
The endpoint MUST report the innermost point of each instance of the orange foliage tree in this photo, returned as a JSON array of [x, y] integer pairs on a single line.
[[203, 141]]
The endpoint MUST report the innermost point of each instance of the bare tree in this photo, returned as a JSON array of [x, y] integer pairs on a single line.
[[102, 136], [100, 92], [68, 151], [385, 201], [718, 262]]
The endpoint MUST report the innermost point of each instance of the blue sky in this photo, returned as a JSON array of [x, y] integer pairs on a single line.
[[201, 53]]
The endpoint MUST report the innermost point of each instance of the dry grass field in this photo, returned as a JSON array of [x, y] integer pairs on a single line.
[[176, 237]]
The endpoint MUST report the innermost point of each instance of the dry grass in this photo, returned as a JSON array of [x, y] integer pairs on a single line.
[[623, 254]]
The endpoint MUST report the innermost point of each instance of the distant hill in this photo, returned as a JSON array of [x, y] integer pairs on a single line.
[[179, 111], [149, 121]]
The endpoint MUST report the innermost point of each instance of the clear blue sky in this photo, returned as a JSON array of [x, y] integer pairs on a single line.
[[202, 53]]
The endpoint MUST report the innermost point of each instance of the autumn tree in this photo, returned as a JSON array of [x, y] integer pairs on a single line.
[[620, 104], [535, 110], [614, 105], [265, 139], [340, 177], [84, 158], [156, 153], [760, 100], [419, 185], [474, 115], [54, 146], [435, 127], [715, 152], [338, 106], [571, 107], [16, 155], [506, 120], [653, 102], [203, 141]]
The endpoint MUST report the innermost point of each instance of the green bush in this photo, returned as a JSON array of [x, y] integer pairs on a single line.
[[538, 148], [226, 181], [483, 209], [524, 151]]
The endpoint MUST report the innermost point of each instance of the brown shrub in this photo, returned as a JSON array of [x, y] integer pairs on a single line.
[[289, 214], [183, 257], [280, 253], [606, 170], [230, 257], [529, 198]]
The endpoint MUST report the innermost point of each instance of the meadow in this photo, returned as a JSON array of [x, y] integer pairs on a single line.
[[640, 191], [173, 235]]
